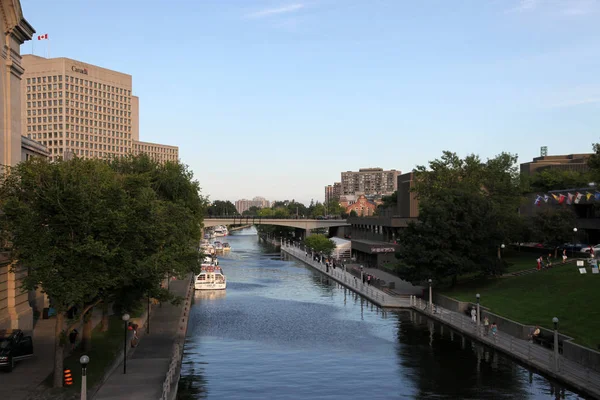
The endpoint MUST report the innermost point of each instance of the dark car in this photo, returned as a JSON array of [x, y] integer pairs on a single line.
[[14, 346]]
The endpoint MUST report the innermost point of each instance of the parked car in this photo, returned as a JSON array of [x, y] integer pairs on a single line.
[[577, 247], [14, 346]]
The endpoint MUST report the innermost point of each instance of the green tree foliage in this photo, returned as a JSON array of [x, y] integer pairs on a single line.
[[389, 201], [467, 208], [251, 212], [553, 227], [318, 210], [556, 179], [334, 208], [320, 243], [353, 213], [90, 231], [222, 208]]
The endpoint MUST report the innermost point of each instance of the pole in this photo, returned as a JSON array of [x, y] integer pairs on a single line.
[[148, 317], [478, 316], [83, 383], [430, 298], [125, 350], [555, 321]]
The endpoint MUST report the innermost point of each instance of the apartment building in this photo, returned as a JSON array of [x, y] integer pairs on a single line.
[[369, 181], [245, 204]]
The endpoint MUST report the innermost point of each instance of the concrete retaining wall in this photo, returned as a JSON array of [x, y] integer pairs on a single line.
[[571, 351]]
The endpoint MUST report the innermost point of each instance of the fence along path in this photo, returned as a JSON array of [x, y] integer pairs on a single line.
[[582, 378], [374, 294]]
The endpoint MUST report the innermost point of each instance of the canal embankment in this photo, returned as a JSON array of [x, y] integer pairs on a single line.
[[345, 278], [152, 369], [547, 361]]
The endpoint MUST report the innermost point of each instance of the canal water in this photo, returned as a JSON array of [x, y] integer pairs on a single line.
[[283, 331]]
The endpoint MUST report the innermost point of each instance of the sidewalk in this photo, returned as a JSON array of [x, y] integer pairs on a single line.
[[529, 353], [372, 293], [25, 380], [147, 366]]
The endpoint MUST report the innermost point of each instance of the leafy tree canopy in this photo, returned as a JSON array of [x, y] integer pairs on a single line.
[[222, 208], [467, 208], [320, 243], [556, 179]]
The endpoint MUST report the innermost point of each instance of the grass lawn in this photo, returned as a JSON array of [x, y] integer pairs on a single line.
[[105, 346], [538, 297]]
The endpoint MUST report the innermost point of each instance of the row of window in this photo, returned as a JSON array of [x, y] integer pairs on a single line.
[[112, 106], [78, 128], [78, 81], [146, 149], [48, 135]]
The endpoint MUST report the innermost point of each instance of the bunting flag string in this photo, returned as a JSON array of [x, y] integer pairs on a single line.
[[569, 198]]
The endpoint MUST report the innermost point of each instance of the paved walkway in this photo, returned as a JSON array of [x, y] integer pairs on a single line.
[[25, 380], [532, 354], [379, 297], [148, 364]]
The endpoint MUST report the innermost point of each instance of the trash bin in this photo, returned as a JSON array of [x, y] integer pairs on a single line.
[[392, 285]]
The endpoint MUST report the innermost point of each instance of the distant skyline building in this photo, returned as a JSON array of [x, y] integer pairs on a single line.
[[369, 181], [245, 204], [333, 191], [80, 109]]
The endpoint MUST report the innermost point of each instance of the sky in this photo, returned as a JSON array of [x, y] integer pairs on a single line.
[[276, 98]]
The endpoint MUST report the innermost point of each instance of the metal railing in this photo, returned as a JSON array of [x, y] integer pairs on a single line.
[[347, 279], [531, 353]]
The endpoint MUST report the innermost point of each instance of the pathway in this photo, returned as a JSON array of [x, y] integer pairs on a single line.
[[379, 297], [148, 365]]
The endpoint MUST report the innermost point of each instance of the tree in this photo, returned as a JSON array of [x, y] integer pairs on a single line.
[[333, 207], [556, 179], [222, 208], [467, 208], [252, 211], [320, 244], [389, 201], [553, 227], [65, 221], [318, 210], [353, 213]]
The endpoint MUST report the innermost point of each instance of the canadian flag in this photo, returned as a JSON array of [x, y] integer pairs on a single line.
[[42, 37]]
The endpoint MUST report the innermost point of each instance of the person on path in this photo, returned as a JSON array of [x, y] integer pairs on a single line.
[[494, 329], [369, 279], [486, 326], [474, 315], [539, 264], [564, 256], [549, 260], [73, 338]]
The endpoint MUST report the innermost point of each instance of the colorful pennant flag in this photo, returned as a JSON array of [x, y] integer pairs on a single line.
[[546, 198], [555, 197], [538, 200], [597, 196], [578, 197], [561, 199], [588, 195]]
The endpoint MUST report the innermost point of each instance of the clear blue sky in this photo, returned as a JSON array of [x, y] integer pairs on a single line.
[[276, 98]]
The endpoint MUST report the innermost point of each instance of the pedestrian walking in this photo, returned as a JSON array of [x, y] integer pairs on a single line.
[[73, 338], [494, 329], [564, 256], [474, 315], [486, 326]]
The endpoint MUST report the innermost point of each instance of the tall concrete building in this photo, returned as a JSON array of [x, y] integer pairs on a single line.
[[369, 181], [15, 311], [84, 110], [245, 204], [333, 191]]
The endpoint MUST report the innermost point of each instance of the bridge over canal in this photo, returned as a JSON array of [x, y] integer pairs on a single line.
[[299, 223]]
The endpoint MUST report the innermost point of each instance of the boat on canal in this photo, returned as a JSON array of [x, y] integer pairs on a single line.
[[211, 276], [226, 247]]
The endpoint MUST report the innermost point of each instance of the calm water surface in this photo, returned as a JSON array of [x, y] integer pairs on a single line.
[[283, 331]]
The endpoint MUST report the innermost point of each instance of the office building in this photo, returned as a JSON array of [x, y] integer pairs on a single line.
[[566, 162], [158, 152], [79, 109], [15, 308], [369, 181]]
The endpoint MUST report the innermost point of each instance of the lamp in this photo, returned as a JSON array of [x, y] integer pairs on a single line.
[[84, 361]]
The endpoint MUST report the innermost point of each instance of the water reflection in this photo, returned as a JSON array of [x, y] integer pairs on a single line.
[[283, 331]]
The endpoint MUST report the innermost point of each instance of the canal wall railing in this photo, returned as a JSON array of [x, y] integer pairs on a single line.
[[269, 239], [171, 382], [548, 361], [350, 281]]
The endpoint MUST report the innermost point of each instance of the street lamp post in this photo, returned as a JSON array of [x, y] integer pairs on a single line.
[[430, 297], [84, 361], [500, 248], [478, 296], [573, 247], [125, 319], [555, 321]]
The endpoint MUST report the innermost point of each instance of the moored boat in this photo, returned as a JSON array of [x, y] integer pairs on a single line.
[[226, 247], [211, 277]]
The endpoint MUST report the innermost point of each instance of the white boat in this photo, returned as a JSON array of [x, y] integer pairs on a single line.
[[207, 248], [211, 277], [226, 247], [218, 246]]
